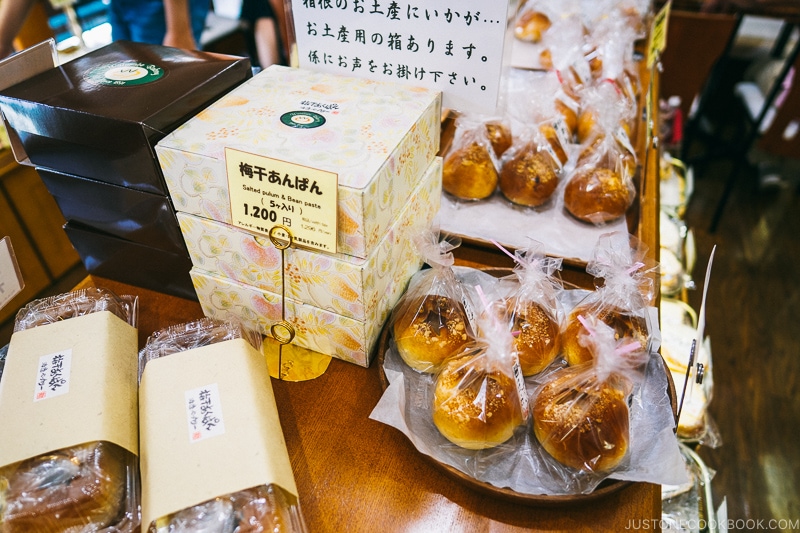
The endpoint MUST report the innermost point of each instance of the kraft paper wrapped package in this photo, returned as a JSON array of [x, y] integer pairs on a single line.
[[69, 398], [213, 453], [376, 138]]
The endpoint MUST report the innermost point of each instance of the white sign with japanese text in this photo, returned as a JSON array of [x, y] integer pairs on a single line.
[[452, 46]]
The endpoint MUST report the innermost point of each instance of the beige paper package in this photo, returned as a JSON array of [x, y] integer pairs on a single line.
[[69, 398], [212, 445]]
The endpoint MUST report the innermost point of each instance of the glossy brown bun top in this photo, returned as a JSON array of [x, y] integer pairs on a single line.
[[530, 178], [476, 404], [469, 173], [597, 195], [581, 422], [428, 329]]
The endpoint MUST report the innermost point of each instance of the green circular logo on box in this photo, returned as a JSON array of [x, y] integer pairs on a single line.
[[125, 74], [302, 119]]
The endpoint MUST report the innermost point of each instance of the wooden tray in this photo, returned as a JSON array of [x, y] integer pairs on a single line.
[[605, 488]]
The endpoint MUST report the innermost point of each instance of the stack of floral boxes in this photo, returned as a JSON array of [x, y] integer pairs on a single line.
[[346, 166]]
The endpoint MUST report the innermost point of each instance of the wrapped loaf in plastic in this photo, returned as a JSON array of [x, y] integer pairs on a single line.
[[221, 351], [89, 485]]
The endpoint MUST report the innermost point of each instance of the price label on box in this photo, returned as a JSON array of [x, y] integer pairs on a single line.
[[11, 282], [266, 193]]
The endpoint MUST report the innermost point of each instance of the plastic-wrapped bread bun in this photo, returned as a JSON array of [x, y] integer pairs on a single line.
[[530, 25], [499, 135], [581, 422], [531, 312], [624, 322], [469, 170], [530, 178], [431, 322], [580, 416], [621, 303], [431, 328], [477, 402]]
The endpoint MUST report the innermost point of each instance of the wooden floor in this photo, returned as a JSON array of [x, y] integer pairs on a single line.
[[753, 321]]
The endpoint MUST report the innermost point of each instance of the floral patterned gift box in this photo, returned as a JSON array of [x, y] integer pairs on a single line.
[[377, 137], [316, 329], [339, 283]]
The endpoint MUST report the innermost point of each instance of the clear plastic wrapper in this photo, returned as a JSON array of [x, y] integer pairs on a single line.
[[600, 188], [479, 398], [580, 414], [190, 335], [433, 319], [470, 166], [74, 304], [532, 312], [90, 487], [621, 302], [267, 508], [521, 464]]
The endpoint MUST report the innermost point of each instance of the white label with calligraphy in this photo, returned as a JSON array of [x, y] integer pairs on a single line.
[[452, 46], [204, 413], [52, 375]]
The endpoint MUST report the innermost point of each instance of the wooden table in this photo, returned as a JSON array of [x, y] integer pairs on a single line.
[[356, 474]]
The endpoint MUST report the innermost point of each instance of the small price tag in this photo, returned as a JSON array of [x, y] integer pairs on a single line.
[[267, 192], [548, 148], [562, 133], [204, 413], [11, 282], [658, 35], [521, 390]]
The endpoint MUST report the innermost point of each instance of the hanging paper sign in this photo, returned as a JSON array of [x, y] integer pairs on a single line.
[[455, 47]]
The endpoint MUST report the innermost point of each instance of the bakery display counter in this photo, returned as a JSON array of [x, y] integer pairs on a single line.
[[356, 474]]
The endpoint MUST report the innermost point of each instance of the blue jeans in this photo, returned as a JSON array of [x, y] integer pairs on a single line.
[[143, 20]]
